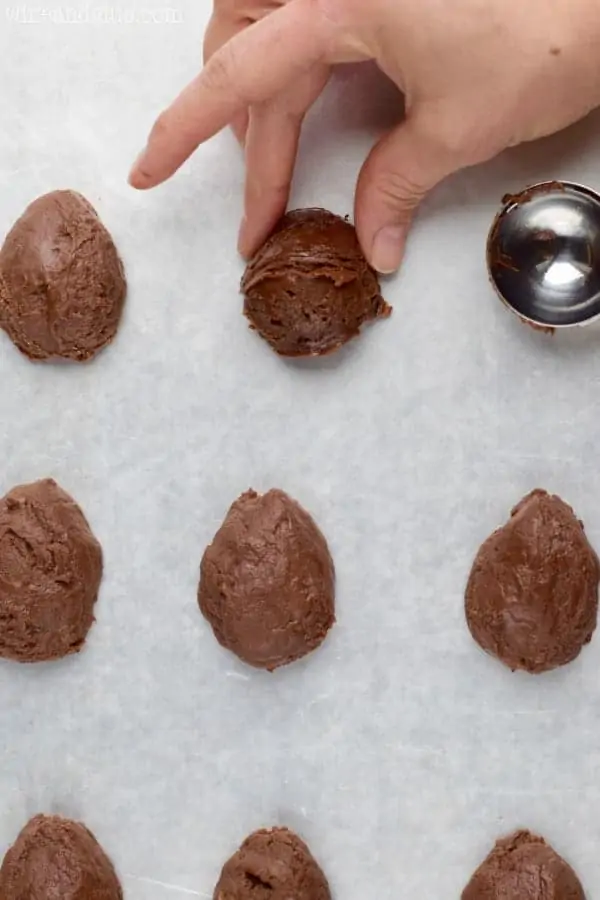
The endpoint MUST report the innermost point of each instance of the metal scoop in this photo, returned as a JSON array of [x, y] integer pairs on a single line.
[[543, 254]]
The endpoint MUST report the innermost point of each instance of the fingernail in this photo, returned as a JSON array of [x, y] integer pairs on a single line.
[[243, 238], [386, 253], [137, 177]]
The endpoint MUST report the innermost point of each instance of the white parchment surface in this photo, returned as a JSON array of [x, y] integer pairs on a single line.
[[399, 751]]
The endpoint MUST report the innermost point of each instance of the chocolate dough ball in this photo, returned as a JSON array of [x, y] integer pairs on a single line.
[[272, 864], [50, 571], [62, 285], [57, 859], [309, 289], [523, 867], [267, 581], [532, 595]]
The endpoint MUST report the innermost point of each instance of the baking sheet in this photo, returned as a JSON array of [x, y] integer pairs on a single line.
[[399, 751]]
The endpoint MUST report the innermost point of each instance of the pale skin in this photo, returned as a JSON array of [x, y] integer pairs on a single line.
[[478, 76]]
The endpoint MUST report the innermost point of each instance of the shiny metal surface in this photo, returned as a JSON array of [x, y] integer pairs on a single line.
[[543, 254]]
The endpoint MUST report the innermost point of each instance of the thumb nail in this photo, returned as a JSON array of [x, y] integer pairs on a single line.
[[388, 245]]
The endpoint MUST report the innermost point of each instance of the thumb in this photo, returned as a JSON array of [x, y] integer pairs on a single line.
[[400, 170]]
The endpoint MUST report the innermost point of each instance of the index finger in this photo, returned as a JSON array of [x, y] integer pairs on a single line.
[[251, 68]]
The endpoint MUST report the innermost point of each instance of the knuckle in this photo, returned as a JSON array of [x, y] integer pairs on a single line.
[[334, 11], [445, 135], [398, 191], [452, 143], [329, 9], [466, 146], [219, 74], [455, 137]]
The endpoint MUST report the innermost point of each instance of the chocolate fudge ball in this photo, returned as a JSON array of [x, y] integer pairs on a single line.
[[62, 285], [50, 572], [267, 581], [532, 595], [309, 289], [272, 864], [57, 859], [524, 867]]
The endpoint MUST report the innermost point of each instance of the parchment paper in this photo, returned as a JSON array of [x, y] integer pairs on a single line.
[[399, 751]]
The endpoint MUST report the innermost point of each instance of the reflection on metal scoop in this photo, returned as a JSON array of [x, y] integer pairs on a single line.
[[543, 254]]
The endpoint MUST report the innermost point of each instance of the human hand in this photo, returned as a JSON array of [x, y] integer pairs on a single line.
[[478, 76], [269, 131]]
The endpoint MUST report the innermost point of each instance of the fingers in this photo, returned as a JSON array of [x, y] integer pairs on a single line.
[[257, 64], [271, 149], [222, 29], [397, 175], [239, 126]]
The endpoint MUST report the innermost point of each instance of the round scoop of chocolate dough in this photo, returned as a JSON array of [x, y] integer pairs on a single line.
[[57, 859], [532, 595], [524, 867], [272, 864], [62, 285], [267, 581], [50, 571], [309, 289]]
